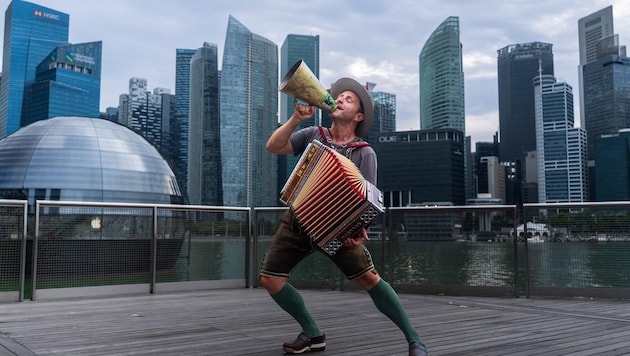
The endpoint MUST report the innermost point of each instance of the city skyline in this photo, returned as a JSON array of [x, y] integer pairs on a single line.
[[140, 40]]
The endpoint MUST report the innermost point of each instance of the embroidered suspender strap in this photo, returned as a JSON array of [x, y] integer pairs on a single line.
[[352, 145], [357, 144], [325, 135]]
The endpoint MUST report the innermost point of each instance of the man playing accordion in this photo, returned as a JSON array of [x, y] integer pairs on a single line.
[[351, 120]]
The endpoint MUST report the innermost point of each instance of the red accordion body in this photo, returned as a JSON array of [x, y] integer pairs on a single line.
[[329, 196]]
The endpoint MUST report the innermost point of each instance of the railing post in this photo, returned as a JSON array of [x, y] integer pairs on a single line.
[[34, 257], [22, 281], [526, 252], [251, 211], [390, 230], [154, 251], [385, 235], [515, 243], [254, 254]]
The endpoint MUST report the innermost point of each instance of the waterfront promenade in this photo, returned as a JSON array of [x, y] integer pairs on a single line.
[[247, 322]]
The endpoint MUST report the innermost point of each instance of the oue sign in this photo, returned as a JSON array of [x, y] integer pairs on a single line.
[[387, 139]]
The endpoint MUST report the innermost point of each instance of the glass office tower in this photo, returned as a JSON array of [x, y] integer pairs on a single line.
[[249, 114], [31, 32], [434, 167], [607, 84], [591, 29], [294, 48], [442, 79], [182, 108], [442, 103], [612, 172], [67, 83], [384, 115], [517, 66], [264, 121], [204, 142], [561, 148]]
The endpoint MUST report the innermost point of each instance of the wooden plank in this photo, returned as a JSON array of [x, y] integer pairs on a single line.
[[248, 322]]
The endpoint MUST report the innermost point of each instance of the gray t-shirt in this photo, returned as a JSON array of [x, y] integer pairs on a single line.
[[364, 157]]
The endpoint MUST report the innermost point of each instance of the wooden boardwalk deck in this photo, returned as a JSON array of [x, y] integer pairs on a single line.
[[247, 322]]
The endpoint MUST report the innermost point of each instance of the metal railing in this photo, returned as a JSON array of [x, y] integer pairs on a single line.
[[13, 214], [563, 250], [76, 249], [89, 249], [588, 253]]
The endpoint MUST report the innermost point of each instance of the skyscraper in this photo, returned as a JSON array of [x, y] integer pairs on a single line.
[[612, 172], [480, 181], [142, 110], [182, 109], [436, 173], [67, 83], [249, 114], [295, 48], [606, 82], [442, 85], [442, 79], [384, 115], [517, 66], [561, 148], [168, 130], [491, 178], [31, 32], [204, 155], [591, 29]]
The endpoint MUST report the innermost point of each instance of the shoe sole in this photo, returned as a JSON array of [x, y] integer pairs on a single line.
[[313, 348]]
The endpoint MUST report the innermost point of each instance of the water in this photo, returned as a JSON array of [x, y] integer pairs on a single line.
[[551, 264]]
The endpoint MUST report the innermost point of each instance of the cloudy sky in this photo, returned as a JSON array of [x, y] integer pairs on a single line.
[[376, 41]]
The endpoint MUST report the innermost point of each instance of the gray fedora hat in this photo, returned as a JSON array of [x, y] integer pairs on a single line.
[[344, 84]]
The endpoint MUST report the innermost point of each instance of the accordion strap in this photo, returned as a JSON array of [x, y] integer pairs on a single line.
[[325, 132]]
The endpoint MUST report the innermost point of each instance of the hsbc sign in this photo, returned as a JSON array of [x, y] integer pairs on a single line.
[[47, 15]]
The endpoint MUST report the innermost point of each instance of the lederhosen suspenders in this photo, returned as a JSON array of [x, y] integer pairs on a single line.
[[348, 147]]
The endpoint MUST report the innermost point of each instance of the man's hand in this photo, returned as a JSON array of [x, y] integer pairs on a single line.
[[357, 240], [279, 141], [303, 112]]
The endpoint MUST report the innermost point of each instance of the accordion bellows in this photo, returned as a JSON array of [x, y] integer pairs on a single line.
[[329, 196]]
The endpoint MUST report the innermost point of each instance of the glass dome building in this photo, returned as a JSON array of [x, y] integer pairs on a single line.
[[84, 159]]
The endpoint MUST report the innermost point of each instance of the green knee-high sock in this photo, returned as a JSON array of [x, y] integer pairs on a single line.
[[289, 299], [388, 303]]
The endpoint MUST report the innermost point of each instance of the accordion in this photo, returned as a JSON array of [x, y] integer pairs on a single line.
[[329, 197]]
